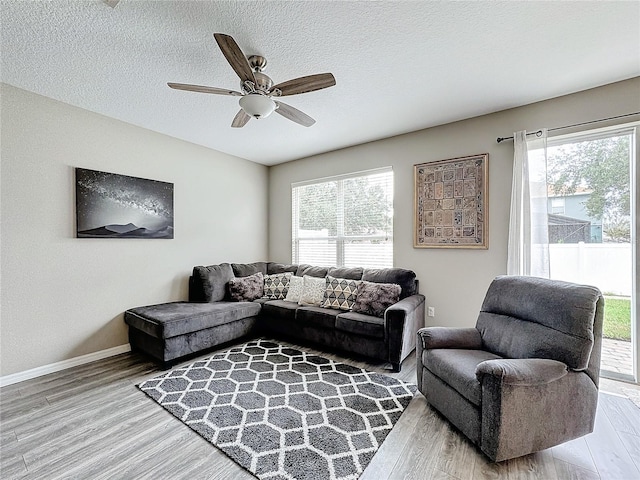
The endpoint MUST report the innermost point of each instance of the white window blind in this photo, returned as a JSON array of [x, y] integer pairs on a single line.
[[344, 221]]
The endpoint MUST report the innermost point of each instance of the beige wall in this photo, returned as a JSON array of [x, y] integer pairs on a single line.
[[454, 281], [63, 297]]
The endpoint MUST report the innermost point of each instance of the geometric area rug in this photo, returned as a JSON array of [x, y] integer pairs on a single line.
[[283, 413]]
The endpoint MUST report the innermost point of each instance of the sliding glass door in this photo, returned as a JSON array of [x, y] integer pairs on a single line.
[[593, 230]]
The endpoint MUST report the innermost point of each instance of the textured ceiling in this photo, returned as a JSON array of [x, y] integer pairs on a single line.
[[399, 66]]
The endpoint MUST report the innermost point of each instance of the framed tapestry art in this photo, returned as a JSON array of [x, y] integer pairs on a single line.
[[109, 205], [451, 204]]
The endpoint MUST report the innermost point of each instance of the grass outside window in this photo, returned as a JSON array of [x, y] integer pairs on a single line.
[[617, 318]]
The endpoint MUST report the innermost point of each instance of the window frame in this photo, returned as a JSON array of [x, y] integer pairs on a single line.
[[560, 205]]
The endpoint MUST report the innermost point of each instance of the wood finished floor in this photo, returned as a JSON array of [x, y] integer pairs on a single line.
[[91, 422]]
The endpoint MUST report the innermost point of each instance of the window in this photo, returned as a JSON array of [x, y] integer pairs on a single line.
[[557, 205], [344, 221]]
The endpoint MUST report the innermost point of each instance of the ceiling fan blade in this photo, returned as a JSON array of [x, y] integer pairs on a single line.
[[203, 89], [306, 84], [235, 57], [295, 115], [241, 119]]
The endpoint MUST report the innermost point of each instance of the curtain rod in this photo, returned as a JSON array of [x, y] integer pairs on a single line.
[[539, 132]]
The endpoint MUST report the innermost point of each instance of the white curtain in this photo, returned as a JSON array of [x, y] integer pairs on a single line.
[[528, 252]]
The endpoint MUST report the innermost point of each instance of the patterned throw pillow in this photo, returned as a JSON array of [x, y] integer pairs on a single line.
[[312, 291], [276, 286], [375, 298], [340, 293], [246, 289], [295, 289]]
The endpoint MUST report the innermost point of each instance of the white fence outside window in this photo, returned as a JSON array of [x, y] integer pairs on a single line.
[[604, 265]]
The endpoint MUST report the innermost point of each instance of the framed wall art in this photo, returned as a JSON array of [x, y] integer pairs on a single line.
[[451, 203], [109, 205]]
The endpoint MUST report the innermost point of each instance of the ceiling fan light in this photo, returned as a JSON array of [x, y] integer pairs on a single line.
[[256, 105]]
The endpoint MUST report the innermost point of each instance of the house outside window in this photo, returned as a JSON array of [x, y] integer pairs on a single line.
[[345, 220], [557, 205]]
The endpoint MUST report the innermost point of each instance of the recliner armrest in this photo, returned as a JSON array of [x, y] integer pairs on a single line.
[[522, 371], [447, 337]]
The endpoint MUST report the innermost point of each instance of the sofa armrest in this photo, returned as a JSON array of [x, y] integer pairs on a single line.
[[402, 321], [524, 372], [446, 337]]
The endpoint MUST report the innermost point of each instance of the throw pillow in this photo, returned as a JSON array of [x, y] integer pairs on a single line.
[[340, 293], [296, 285], [375, 298], [246, 289], [276, 286], [312, 291]]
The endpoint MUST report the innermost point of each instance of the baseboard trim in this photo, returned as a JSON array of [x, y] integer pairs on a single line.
[[63, 365]]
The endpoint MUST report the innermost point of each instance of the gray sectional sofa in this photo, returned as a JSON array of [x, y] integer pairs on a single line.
[[210, 318]]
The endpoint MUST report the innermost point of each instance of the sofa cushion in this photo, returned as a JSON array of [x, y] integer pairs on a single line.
[[457, 368], [340, 293], [276, 286], [246, 269], [246, 289], [375, 298], [213, 281], [360, 324], [296, 285], [273, 268], [280, 309], [405, 278], [350, 273], [168, 320], [318, 316], [312, 291], [311, 271]]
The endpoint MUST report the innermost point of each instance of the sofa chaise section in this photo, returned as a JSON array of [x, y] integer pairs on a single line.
[[172, 330]]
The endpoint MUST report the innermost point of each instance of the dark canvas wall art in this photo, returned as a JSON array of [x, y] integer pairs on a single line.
[[109, 205]]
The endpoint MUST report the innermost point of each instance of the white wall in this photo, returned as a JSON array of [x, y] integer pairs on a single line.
[[63, 297], [455, 280]]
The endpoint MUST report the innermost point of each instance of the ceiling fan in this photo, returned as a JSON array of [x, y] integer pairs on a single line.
[[258, 90]]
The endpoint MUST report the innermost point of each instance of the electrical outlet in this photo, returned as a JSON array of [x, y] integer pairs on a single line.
[[431, 312]]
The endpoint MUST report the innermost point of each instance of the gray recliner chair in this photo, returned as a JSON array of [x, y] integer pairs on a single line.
[[526, 377]]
